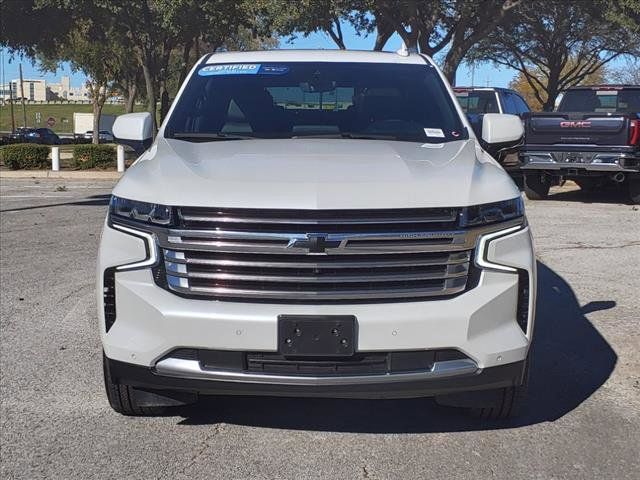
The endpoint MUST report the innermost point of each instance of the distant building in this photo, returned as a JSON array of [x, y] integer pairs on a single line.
[[64, 91], [59, 91], [4, 91], [34, 89], [39, 91]]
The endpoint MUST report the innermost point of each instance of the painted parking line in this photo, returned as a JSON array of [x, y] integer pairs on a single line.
[[38, 196]]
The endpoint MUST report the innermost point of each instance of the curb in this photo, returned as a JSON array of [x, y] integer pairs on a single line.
[[73, 174]]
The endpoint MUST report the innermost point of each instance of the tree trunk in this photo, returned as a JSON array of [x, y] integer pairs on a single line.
[[167, 48], [184, 68], [411, 41], [130, 100], [381, 41], [97, 112], [336, 36], [151, 94], [164, 101], [552, 89], [550, 104], [451, 63], [384, 32]]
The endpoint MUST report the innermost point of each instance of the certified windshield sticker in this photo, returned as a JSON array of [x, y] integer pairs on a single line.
[[434, 132], [243, 69], [232, 69]]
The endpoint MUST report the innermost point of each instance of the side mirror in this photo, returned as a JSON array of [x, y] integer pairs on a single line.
[[501, 128], [134, 130]]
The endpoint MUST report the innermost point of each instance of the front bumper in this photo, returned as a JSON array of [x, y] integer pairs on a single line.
[[481, 323], [390, 386]]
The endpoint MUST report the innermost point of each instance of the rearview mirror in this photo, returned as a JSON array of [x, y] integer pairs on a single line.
[[501, 128], [134, 130]]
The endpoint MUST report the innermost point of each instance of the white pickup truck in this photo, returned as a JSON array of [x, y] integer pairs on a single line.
[[316, 223]]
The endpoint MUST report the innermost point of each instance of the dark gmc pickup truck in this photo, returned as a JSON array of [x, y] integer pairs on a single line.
[[592, 138]]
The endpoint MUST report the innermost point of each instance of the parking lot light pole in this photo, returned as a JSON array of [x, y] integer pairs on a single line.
[[55, 158], [120, 157], [24, 111]]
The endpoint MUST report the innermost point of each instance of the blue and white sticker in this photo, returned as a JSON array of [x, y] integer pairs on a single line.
[[243, 69], [274, 69], [231, 69]]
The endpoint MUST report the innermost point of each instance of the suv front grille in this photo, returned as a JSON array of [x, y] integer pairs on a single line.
[[316, 256]]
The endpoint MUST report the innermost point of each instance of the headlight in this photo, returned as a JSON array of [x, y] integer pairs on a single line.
[[140, 211], [492, 212]]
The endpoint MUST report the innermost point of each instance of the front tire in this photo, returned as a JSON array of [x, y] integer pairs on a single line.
[[536, 186], [122, 398], [496, 404], [509, 402]]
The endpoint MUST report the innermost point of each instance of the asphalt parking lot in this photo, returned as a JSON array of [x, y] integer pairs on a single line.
[[583, 418]]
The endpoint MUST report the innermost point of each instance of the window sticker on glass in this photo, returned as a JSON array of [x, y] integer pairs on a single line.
[[434, 132], [233, 69], [243, 69], [274, 69]]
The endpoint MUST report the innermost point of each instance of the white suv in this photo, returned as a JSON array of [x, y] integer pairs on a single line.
[[316, 223]]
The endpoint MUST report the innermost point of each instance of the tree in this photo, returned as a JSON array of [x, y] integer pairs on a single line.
[[304, 17], [40, 33], [628, 74], [522, 86], [89, 46], [546, 37], [183, 58], [156, 28], [624, 13], [433, 26]]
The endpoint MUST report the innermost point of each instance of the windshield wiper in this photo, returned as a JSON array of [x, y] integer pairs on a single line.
[[359, 136], [369, 136], [206, 137]]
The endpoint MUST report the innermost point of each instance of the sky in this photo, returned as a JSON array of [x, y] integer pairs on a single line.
[[483, 75]]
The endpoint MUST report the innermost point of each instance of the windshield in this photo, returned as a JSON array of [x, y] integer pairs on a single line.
[[478, 101], [296, 99], [601, 101]]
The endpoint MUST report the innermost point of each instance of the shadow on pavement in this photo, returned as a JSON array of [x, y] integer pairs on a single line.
[[607, 194], [571, 360], [91, 201]]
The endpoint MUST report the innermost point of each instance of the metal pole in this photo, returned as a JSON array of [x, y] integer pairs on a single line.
[[13, 118], [55, 158], [120, 157], [24, 110]]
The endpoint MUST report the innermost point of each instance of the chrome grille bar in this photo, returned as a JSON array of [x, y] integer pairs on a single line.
[[346, 243], [446, 272], [414, 260], [450, 287], [317, 256], [192, 216]]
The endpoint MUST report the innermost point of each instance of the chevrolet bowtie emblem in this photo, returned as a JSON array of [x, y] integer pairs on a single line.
[[314, 243]]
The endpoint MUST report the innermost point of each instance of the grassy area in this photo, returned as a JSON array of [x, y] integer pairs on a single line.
[[63, 113]]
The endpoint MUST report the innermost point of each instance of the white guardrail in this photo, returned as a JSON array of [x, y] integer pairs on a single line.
[[55, 158]]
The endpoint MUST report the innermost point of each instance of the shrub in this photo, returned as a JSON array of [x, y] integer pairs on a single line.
[[94, 156], [25, 155]]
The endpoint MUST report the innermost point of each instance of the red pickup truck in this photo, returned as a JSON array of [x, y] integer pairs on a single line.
[[592, 138]]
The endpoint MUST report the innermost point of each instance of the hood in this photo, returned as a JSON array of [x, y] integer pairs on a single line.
[[316, 174]]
